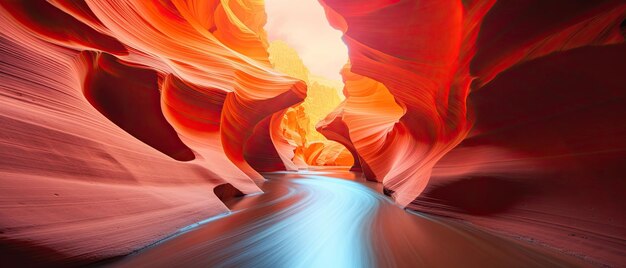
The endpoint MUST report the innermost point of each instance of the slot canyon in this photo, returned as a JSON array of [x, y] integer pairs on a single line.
[[312, 133]]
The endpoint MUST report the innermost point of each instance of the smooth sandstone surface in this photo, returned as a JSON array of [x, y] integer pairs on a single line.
[[512, 115], [125, 121], [120, 119]]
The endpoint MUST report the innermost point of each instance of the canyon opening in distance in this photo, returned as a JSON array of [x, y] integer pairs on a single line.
[[312, 133]]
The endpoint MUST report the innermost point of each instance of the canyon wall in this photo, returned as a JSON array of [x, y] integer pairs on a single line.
[[511, 114], [124, 121], [310, 148], [121, 118]]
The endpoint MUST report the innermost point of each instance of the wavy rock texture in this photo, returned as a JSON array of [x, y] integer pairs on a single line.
[[363, 121], [334, 128], [124, 121], [426, 71], [308, 146], [540, 86], [120, 118]]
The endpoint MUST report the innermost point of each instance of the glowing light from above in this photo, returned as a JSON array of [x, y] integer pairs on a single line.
[[303, 25]]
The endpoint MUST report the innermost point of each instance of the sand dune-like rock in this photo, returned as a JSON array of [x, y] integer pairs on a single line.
[[426, 71], [530, 90], [120, 119], [125, 121]]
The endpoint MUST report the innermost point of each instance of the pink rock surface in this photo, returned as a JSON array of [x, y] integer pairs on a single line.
[[120, 119]]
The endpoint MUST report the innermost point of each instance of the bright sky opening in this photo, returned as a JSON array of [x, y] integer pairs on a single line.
[[303, 25]]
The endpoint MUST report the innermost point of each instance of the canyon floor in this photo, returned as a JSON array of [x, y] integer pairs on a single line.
[[330, 218]]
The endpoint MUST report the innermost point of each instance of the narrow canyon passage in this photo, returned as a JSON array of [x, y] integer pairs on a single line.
[[323, 133], [332, 218]]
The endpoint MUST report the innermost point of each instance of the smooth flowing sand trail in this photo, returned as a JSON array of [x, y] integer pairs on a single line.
[[333, 219]]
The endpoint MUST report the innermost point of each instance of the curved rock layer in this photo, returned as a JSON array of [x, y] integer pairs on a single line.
[[308, 147], [540, 85], [427, 72], [123, 120], [548, 168], [363, 122]]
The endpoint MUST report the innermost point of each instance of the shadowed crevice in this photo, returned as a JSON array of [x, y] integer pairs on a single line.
[[481, 195], [227, 193], [129, 97]]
